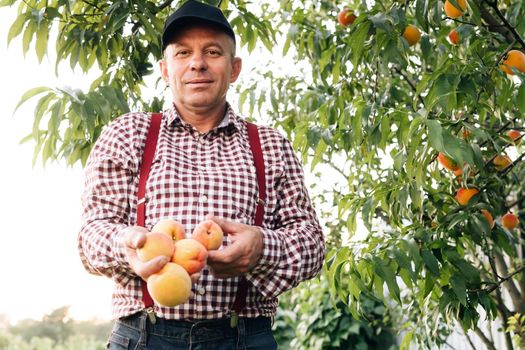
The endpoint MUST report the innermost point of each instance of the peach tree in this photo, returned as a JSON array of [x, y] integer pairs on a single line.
[[396, 126]]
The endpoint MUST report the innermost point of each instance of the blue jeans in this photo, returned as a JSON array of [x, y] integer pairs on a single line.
[[136, 332]]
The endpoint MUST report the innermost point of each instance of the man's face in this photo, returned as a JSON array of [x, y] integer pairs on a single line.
[[199, 66]]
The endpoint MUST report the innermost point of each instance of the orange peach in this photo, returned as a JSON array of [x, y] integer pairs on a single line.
[[453, 37], [514, 135], [447, 163], [454, 11], [156, 244], [172, 228], [501, 162], [171, 286], [190, 254], [489, 217], [346, 17], [509, 221], [463, 195], [209, 234]]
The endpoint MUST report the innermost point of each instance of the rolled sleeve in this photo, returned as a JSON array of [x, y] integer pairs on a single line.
[[108, 187], [293, 248]]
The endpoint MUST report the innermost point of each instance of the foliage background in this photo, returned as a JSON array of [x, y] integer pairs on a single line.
[[361, 103]]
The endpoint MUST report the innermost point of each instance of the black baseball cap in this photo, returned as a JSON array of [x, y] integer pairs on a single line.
[[192, 12]]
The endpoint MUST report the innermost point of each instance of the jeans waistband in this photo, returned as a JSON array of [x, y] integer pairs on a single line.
[[162, 325]]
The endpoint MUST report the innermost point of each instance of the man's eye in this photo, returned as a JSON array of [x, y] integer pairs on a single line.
[[182, 53], [214, 52]]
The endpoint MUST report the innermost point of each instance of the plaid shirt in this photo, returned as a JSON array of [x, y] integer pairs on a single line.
[[193, 175]]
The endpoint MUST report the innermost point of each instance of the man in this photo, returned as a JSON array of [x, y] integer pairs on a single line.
[[202, 168]]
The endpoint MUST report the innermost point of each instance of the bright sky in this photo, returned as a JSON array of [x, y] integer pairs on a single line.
[[39, 208]]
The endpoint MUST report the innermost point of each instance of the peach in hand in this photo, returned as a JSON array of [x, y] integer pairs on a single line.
[[190, 254], [209, 234], [156, 244], [172, 228], [171, 286]]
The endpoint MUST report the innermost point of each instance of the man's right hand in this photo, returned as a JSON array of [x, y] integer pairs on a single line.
[[134, 237]]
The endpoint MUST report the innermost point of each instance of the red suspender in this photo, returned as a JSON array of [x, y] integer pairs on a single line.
[[258, 158], [147, 159]]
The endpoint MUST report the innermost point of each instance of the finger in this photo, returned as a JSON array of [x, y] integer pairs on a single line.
[[227, 226], [135, 237], [226, 255], [195, 277], [148, 268], [221, 273]]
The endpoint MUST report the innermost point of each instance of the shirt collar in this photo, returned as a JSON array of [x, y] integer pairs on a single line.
[[231, 119]]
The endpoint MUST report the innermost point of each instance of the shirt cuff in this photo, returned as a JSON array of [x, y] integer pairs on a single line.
[[122, 273], [271, 253]]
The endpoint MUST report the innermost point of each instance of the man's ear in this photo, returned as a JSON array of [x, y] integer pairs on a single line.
[[163, 69], [236, 69]]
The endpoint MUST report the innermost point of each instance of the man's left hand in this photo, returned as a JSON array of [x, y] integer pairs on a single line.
[[241, 255]]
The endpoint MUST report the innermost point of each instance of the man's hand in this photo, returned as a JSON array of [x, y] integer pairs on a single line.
[[241, 255], [134, 238]]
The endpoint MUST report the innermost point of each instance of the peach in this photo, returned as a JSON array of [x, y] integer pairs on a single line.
[[346, 17], [453, 39], [209, 234], [463, 195], [447, 163], [509, 221], [454, 12], [514, 135], [190, 254], [489, 217], [171, 286], [501, 162], [172, 228], [156, 244]]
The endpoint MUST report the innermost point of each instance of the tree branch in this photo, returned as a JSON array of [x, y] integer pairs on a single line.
[[484, 338], [509, 27], [510, 285], [409, 82]]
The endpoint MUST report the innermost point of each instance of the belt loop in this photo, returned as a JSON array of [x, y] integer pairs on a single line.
[[241, 333], [191, 336], [143, 331]]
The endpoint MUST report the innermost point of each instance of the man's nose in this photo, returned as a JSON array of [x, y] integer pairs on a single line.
[[198, 62]]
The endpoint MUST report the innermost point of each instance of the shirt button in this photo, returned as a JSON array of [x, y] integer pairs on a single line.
[[203, 198], [201, 290]]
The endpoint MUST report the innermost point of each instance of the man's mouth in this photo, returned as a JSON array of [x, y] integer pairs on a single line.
[[196, 82]]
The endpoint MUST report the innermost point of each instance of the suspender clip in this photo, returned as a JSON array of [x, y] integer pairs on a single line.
[[234, 319], [151, 315]]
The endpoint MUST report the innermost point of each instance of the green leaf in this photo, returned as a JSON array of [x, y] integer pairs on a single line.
[[30, 93], [42, 36], [459, 287], [435, 134], [17, 26], [387, 274], [421, 14], [520, 99], [28, 36], [358, 42], [407, 339], [430, 261]]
